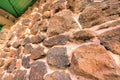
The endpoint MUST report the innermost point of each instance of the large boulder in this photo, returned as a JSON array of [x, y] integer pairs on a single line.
[[92, 61]]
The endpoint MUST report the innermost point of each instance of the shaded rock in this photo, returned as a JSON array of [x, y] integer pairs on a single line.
[[61, 22], [58, 76], [16, 44], [20, 31], [57, 25], [20, 75], [43, 25], [19, 52], [92, 61], [98, 13], [3, 35], [2, 54], [26, 41], [57, 57], [46, 14], [26, 22], [84, 35], [37, 39], [28, 48], [1, 62], [77, 5], [58, 6], [1, 72], [37, 53], [38, 70], [56, 40], [12, 53], [10, 65], [25, 62], [34, 29], [111, 40]]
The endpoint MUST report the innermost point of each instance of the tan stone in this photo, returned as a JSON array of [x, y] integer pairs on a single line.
[[8, 77], [92, 61], [111, 40]]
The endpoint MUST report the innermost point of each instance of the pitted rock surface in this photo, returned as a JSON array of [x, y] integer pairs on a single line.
[[57, 56]]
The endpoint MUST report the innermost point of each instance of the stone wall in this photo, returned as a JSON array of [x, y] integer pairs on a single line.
[[63, 40]]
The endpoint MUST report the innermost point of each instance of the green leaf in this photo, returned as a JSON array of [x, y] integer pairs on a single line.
[[1, 26], [16, 7]]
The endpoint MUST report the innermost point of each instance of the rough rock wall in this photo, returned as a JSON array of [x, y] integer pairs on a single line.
[[60, 40]]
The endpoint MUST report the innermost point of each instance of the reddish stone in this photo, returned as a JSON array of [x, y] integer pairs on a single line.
[[8, 77], [26, 62], [98, 13], [57, 57], [92, 61], [111, 40], [61, 22], [56, 40], [58, 76], [10, 65], [28, 48], [20, 75], [37, 39], [38, 70], [84, 35], [37, 53]]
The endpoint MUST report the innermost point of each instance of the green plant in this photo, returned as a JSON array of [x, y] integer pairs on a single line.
[[16, 7], [1, 27]]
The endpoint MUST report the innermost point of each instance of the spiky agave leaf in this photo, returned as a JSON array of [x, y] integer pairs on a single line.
[[16, 7]]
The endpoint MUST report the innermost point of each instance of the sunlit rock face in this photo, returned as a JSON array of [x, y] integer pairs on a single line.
[[60, 39]]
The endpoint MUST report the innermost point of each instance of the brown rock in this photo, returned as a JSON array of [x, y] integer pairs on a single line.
[[28, 48], [93, 62], [37, 53], [56, 40], [58, 76], [77, 5], [58, 5], [38, 70], [25, 62], [19, 64], [84, 35], [10, 65], [20, 31], [2, 54], [57, 57], [1, 62], [12, 53], [43, 25], [1, 72], [20, 75], [47, 14], [26, 41], [37, 39], [56, 26], [61, 22], [35, 19], [3, 35], [16, 44], [19, 52], [26, 22], [8, 77], [98, 13], [111, 40], [34, 29]]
